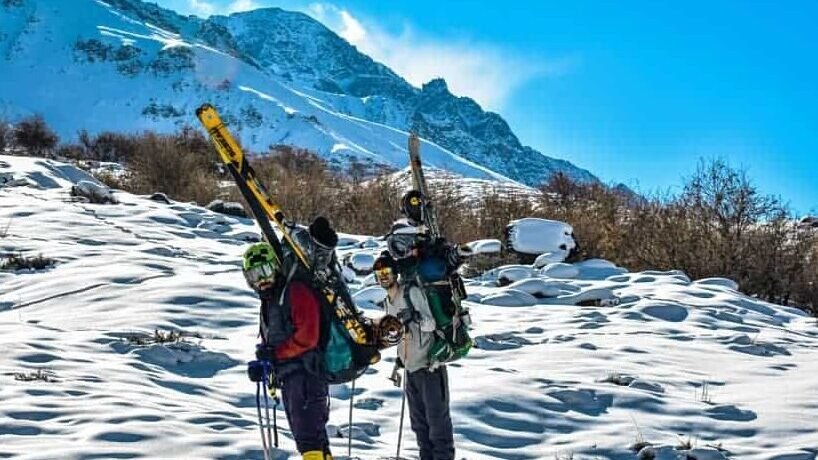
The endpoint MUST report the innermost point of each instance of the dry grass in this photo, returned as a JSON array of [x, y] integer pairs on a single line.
[[16, 262], [40, 375], [161, 337]]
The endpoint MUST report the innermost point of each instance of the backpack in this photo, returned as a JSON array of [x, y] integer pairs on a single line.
[[346, 345], [452, 340]]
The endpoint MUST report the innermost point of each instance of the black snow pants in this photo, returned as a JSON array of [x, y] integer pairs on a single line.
[[428, 397], [306, 403]]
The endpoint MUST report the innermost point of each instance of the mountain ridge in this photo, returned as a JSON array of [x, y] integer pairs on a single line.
[[165, 65]]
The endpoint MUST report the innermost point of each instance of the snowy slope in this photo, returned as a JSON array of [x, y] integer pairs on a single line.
[[674, 360], [127, 66]]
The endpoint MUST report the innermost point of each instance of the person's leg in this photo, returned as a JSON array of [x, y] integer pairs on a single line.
[[436, 402], [305, 402], [417, 412]]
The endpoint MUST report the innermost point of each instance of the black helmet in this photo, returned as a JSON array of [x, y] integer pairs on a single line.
[[324, 240], [322, 233], [412, 205]]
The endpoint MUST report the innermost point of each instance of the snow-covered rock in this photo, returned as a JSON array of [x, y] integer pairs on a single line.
[[534, 236], [548, 258], [229, 208], [485, 246], [537, 287], [511, 273], [808, 222], [598, 269], [510, 298], [94, 192], [370, 297], [560, 270], [723, 282], [361, 262]]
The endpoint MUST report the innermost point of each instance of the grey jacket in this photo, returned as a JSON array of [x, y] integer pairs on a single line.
[[413, 350]]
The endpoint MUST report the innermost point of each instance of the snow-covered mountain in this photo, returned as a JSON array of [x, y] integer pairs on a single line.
[[669, 369], [279, 78]]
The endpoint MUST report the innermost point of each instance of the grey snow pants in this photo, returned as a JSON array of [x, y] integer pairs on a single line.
[[428, 397]]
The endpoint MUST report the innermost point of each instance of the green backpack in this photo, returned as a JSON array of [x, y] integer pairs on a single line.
[[451, 342]]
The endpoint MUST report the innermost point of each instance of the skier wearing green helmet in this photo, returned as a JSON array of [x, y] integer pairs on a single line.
[[260, 265], [291, 323]]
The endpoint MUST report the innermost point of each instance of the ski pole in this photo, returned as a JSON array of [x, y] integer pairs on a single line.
[[269, 441], [402, 413], [261, 422], [349, 434]]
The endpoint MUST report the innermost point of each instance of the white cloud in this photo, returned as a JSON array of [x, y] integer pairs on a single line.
[[242, 5], [201, 8], [352, 31], [487, 73]]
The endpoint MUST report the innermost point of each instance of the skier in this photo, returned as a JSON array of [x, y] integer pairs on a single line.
[[427, 383], [291, 330], [414, 249]]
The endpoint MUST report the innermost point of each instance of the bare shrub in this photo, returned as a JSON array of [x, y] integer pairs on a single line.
[[35, 135], [70, 152], [6, 135], [594, 210], [109, 146], [113, 181], [492, 212], [305, 186], [179, 165]]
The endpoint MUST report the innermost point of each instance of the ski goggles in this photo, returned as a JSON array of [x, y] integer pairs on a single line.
[[259, 275], [384, 274]]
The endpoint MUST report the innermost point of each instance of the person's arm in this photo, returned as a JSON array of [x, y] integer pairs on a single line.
[[421, 305], [306, 319]]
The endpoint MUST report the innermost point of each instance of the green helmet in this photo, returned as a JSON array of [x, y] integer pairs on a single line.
[[260, 265]]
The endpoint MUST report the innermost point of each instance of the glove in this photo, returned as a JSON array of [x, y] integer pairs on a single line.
[[265, 353]]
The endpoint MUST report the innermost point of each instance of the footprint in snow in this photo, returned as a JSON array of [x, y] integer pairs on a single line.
[[363, 431], [369, 404], [344, 391], [783, 367], [666, 312], [586, 402], [39, 358], [760, 349], [646, 386], [496, 342], [731, 413]]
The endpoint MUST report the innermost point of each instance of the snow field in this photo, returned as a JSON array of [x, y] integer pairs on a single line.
[[671, 361]]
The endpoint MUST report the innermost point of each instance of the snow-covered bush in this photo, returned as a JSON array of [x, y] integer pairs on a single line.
[[159, 197]]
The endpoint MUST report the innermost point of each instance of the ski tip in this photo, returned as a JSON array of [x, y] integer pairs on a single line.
[[204, 107]]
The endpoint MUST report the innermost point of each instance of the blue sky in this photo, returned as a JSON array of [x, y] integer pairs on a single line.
[[636, 92]]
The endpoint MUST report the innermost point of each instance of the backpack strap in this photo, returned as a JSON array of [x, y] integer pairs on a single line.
[[412, 314]]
